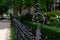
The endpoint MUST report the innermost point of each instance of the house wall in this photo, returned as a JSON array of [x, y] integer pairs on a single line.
[[56, 4], [24, 11]]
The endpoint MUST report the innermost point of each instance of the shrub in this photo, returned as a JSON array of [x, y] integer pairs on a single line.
[[53, 33], [26, 17], [51, 16], [18, 17], [57, 23]]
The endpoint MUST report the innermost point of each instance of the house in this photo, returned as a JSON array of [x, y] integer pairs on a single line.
[[57, 4]]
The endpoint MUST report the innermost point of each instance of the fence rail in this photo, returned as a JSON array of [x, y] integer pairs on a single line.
[[23, 32]]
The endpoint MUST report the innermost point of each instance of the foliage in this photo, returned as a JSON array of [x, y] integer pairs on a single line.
[[56, 23], [17, 17], [53, 33], [57, 12], [24, 17], [50, 1], [4, 5], [17, 4], [28, 17], [42, 4], [12, 35], [28, 3], [31, 24], [51, 16]]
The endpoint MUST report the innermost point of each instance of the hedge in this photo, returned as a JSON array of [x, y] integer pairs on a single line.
[[52, 32]]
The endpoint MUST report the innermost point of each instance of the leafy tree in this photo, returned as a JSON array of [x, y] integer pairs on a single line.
[[4, 5], [18, 4], [28, 4]]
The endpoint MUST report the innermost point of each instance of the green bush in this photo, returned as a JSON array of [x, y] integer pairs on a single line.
[[57, 23], [53, 33], [25, 17], [51, 16], [18, 17], [31, 24]]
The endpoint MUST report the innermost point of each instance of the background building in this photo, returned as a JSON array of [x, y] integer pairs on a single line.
[[57, 4]]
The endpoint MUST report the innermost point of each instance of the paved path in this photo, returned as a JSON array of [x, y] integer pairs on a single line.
[[4, 30]]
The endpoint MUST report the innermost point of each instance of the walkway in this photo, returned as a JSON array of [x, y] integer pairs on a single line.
[[4, 30]]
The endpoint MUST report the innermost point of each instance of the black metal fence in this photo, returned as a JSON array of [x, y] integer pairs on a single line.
[[22, 32]]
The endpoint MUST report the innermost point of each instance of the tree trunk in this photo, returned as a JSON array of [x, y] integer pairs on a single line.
[[47, 7], [20, 10], [1, 15], [29, 10]]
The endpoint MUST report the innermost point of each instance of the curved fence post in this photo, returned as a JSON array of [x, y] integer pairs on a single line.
[[38, 33]]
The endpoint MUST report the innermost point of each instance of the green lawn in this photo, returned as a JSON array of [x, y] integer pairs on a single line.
[[12, 35]]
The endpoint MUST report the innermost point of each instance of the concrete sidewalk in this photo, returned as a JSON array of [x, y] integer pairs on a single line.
[[4, 30]]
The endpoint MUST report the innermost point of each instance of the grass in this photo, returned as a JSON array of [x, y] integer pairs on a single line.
[[12, 36]]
